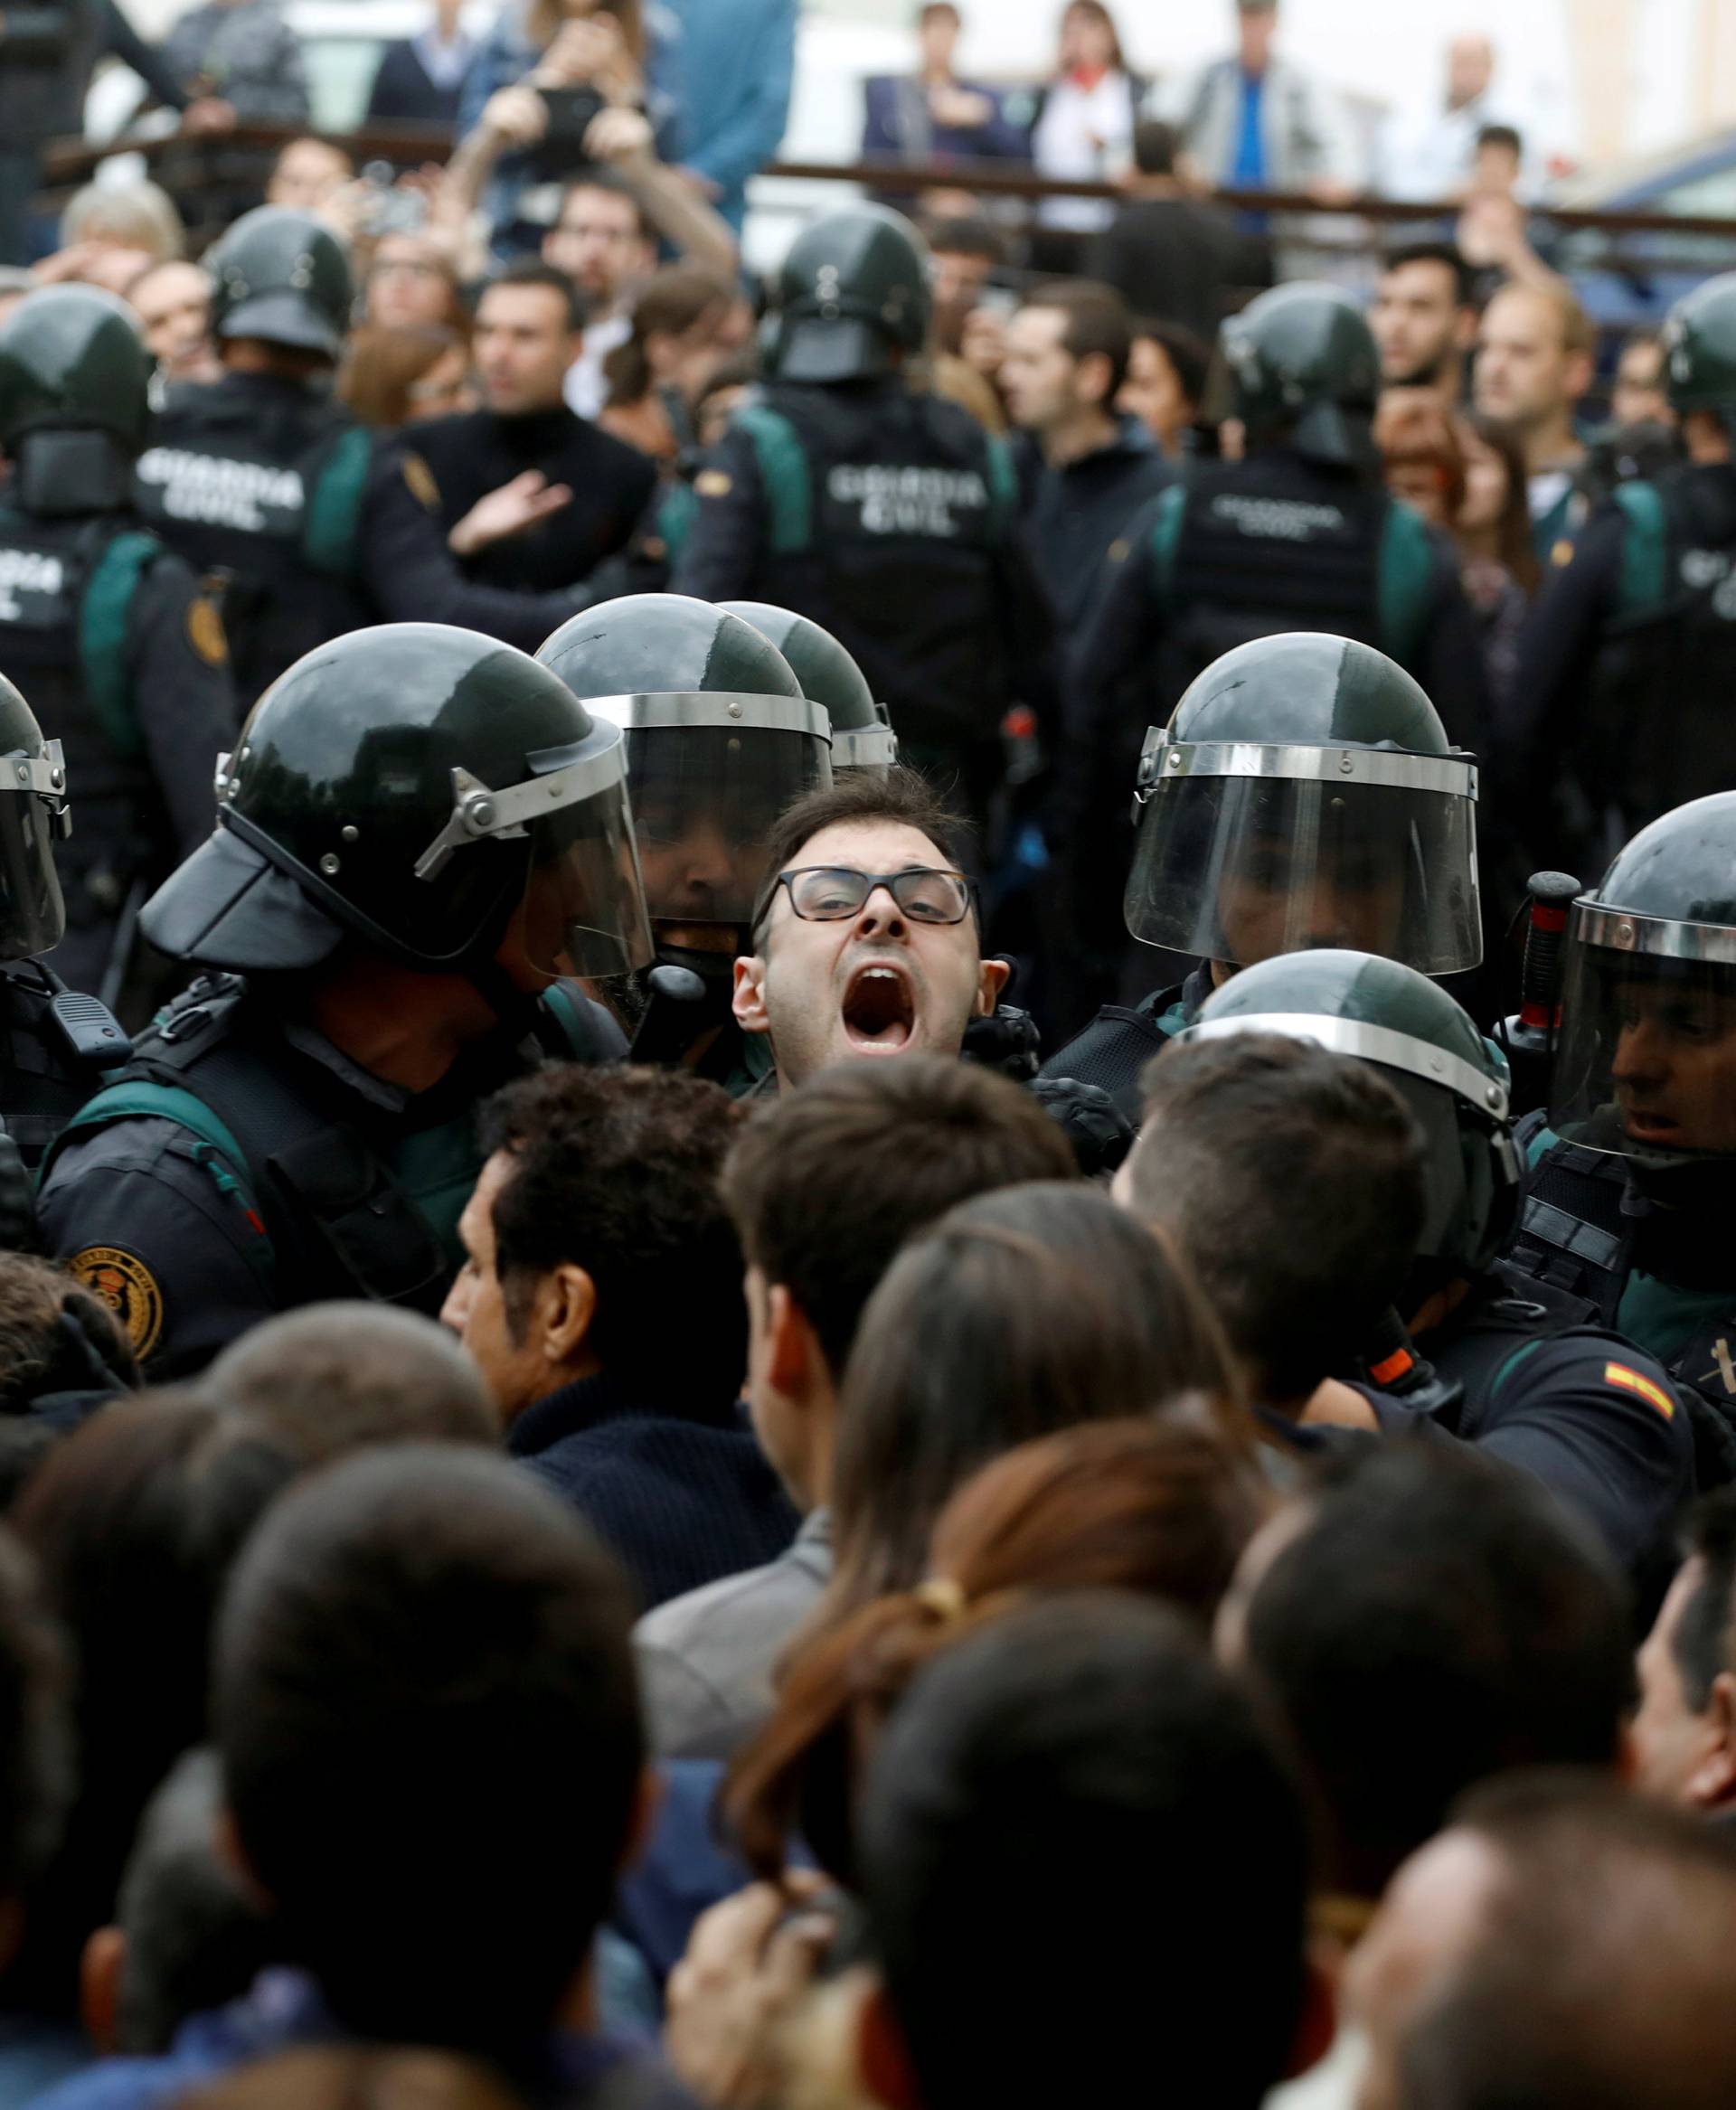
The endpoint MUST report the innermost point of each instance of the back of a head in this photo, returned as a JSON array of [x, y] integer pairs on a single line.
[[1600, 1973], [1293, 1180], [1438, 1618], [827, 1184], [331, 1378], [1023, 1312], [1155, 146], [1063, 1762], [425, 1709]]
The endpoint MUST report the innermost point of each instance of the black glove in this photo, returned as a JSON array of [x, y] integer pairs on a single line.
[[1008, 1042], [18, 1228], [1099, 1132]]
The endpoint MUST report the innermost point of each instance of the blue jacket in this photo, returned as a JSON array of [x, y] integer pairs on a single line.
[[898, 124], [734, 61], [682, 1494]]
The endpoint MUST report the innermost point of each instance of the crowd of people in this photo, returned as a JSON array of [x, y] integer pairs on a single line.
[[865, 1144]]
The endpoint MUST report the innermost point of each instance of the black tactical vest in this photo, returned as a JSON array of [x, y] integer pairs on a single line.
[[43, 1082], [1264, 546], [66, 592], [886, 509], [1661, 728], [261, 482]]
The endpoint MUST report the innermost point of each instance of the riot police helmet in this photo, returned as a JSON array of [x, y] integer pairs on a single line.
[[281, 276], [1303, 364], [1646, 1062], [72, 360], [32, 818], [430, 792], [720, 739], [1700, 349], [854, 297], [862, 729], [1455, 1083], [1304, 794]]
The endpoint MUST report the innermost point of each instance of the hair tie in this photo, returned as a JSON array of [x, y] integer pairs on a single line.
[[942, 1596]]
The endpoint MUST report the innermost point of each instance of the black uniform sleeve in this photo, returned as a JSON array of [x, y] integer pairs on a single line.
[[414, 577], [1598, 1422], [721, 556], [183, 693], [145, 1226], [1556, 650], [117, 36], [1449, 659]]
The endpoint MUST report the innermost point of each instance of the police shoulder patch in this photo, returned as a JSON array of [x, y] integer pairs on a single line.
[[1631, 1381], [205, 632], [126, 1285], [1562, 553], [713, 484], [419, 481]]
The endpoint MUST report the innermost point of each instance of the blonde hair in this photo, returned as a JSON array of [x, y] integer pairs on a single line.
[[134, 216]]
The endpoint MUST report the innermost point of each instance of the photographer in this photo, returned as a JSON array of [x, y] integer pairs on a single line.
[[551, 67]]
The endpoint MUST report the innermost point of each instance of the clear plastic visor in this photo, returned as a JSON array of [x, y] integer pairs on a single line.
[[704, 799], [1242, 869], [584, 909], [1647, 1061]]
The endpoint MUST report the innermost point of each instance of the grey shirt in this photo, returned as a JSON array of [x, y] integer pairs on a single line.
[[246, 54], [706, 1660]]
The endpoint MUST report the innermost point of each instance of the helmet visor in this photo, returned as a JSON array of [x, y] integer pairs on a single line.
[[1243, 867], [710, 774], [584, 902], [1647, 1061], [33, 911]]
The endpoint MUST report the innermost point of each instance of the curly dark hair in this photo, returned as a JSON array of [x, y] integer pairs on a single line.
[[618, 1169]]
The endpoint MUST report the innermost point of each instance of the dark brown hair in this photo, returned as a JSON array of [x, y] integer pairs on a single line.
[[381, 366], [678, 299], [899, 796], [829, 1181], [1160, 1507], [1098, 13], [1097, 320]]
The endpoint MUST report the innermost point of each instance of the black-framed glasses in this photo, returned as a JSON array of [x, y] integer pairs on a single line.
[[828, 893]]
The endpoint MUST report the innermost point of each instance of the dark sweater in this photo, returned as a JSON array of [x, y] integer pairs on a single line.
[[477, 452], [681, 1499], [1073, 515]]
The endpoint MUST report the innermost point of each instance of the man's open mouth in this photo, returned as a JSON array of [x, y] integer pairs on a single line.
[[878, 1011]]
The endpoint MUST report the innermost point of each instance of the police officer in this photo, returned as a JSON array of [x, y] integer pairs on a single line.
[[122, 649], [862, 729], [261, 475], [1523, 1371], [720, 739], [1305, 794], [419, 832], [1624, 668], [1631, 1198], [56, 1042], [880, 511], [1300, 532]]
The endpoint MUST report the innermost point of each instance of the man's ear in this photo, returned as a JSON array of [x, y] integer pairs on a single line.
[[1581, 371], [1712, 1786], [992, 977], [99, 1972], [749, 1001], [566, 1305], [882, 2057], [792, 1346], [1095, 375]]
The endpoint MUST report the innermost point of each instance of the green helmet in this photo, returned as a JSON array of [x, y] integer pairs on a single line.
[[1303, 360], [1645, 1064], [426, 790], [1453, 1081], [854, 295], [720, 739], [1304, 795], [1700, 347], [862, 729], [72, 359], [281, 276], [32, 914]]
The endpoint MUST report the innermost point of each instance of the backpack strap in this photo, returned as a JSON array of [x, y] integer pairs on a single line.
[[784, 475], [331, 531], [1643, 585], [105, 621], [1408, 577]]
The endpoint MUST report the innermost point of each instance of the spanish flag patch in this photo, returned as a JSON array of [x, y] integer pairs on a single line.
[[1630, 1381]]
